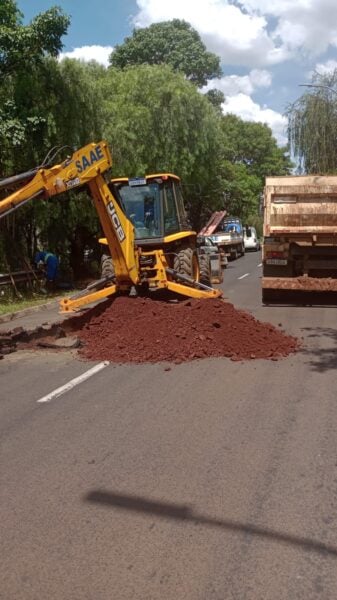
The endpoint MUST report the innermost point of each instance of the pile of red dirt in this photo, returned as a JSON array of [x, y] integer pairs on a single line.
[[143, 330]]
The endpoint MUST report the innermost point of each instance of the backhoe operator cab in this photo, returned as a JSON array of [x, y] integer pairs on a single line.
[[154, 204]]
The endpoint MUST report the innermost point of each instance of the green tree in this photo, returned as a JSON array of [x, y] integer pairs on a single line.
[[253, 145], [156, 121], [23, 45], [23, 49], [216, 98], [250, 154], [66, 97], [175, 43], [312, 128]]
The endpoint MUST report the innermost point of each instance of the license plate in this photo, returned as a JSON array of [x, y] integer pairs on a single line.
[[276, 261], [135, 181]]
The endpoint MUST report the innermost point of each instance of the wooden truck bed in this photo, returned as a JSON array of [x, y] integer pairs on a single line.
[[300, 234]]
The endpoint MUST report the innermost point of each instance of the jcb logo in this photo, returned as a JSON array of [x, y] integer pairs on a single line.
[[116, 222]]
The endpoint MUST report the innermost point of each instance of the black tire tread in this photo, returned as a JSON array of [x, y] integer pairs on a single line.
[[183, 261], [107, 266], [205, 275]]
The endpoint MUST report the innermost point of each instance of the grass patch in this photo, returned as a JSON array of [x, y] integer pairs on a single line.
[[10, 306]]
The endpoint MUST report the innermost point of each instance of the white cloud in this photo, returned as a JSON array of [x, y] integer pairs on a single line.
[[260, 78], [236, 36], [99, 53], [247, 84], [253, 33], [272, 7], [325, 68], [243, 106], [308, 26]]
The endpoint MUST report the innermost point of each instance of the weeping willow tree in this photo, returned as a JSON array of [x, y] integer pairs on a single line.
[[312, 126]]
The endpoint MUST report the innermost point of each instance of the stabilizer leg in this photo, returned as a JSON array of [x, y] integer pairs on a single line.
[[75, 302]]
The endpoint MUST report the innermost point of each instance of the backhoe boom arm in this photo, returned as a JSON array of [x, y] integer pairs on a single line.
[[85, 167]]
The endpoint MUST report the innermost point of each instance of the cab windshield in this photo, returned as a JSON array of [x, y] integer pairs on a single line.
[[142, 207], [151, 208]]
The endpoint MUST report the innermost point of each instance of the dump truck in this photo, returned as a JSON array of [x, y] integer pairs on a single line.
[[227, 233], [164, 260], [299, 236]]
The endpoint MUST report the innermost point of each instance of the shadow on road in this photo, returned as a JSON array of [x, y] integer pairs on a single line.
[[322, 359], [137, 504]]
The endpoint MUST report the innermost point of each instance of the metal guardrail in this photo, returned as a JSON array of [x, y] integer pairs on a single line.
[[20, 277]]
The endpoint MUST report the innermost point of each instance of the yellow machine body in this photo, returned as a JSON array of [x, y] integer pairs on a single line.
[[135, 265]]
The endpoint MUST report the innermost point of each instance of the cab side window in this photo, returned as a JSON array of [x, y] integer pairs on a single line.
[[171, 223]]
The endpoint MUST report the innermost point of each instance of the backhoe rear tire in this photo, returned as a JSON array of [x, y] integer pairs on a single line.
[[205, 271], [107, 266], [186, 263]]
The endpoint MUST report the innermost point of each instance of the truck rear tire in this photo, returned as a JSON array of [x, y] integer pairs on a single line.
[[186, 263], [107, 266]]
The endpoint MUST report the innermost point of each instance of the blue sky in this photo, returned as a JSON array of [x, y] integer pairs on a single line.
[[100, 22], [267, 47]]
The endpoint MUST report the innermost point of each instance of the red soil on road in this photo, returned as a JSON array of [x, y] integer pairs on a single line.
[[144, 330]]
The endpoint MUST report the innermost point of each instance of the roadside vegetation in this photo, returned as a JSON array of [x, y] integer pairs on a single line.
[[149, 107], [11, 303], [313, 125]]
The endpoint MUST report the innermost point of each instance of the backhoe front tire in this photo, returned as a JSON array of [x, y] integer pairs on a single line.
[[186, 263], [107, 266]]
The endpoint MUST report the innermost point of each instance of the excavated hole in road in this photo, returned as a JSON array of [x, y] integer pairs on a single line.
[[138, 330]]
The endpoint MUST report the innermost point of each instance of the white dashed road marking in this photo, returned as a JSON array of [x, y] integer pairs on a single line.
[[243, 276], [71, 384], [260, 265]]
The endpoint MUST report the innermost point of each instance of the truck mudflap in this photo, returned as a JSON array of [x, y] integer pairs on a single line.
[[300, 284]]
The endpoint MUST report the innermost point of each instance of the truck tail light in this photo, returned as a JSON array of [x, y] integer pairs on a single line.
[[275, 254]]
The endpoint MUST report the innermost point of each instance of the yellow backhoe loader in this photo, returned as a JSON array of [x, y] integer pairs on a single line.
[[143, 221]]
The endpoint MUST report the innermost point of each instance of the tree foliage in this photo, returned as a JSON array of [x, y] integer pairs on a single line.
[[24, 45], [55, 104], [250, 154], [174, 43], [23, 50], [312, 129], [216, 98], [156, 121]]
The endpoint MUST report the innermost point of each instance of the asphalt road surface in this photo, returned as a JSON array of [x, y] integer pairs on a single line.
[[216, 480]]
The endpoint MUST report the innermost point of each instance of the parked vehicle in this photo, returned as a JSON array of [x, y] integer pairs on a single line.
[[209, 254], [300, 235], [251, 241], [226, 233]]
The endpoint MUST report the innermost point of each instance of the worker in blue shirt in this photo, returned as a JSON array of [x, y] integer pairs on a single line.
[[51, 265]]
